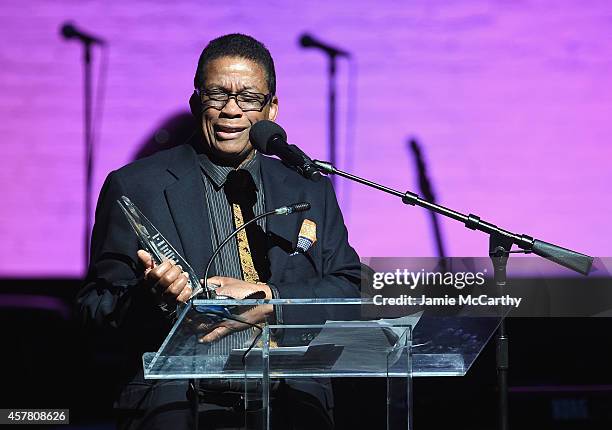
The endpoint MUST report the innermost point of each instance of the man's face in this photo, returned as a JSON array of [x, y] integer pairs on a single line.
[[226, 131]]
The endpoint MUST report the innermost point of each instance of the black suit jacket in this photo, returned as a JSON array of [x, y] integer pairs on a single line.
[[168, 189]]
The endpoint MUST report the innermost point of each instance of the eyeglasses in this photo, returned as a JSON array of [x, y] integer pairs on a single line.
[[247, 101]]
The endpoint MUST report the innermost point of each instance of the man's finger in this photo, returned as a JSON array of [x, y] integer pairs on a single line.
[[236, 290], [145, 259], [216, 334], [218, 280], [185, 293], [158, 271], [170, 276], [176, 287]]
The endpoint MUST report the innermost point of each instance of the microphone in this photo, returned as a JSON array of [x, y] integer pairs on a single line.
[[269, 138], [296, 207], [283, 210], [307, 41], [69, 31]]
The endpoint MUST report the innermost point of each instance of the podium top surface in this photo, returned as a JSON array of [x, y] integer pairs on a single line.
[[323, 338]]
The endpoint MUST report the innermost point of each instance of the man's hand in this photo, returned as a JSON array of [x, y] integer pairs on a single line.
[[238, 289], [167, 280]]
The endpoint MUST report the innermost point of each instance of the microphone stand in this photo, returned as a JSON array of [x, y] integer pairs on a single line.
[[500, 244], [425, 187], [308, 41], [88, 141], [331, 91], [68, 31], [87, 136]]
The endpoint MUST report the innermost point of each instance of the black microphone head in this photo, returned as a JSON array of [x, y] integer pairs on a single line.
[[306, 40], [414, 145], [262, 132], [299, 207], [68, 30]]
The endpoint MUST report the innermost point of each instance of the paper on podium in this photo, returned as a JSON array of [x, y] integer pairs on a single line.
[[363, 346]]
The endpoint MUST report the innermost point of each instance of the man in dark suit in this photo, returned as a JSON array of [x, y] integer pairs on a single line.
[[193, 195]]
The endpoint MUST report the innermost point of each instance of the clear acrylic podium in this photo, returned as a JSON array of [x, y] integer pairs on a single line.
[[326, 338]]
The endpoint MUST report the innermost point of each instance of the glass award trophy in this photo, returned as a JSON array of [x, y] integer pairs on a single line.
[[160, 249]]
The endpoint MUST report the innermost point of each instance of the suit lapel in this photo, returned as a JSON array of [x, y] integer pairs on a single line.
[[186, 200], [187, 203], [280, 189]]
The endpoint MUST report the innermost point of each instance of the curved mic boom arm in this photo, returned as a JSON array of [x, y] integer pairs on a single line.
[[284, 210]]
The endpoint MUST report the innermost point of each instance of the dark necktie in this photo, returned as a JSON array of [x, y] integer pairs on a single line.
[[241, 193]]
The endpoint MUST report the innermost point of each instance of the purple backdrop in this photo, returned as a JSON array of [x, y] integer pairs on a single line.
[[511, 100]]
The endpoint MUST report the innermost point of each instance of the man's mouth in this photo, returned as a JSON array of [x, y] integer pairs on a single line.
[[226, 132]]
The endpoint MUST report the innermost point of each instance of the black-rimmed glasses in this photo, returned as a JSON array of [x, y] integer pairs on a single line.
[[246, 100]]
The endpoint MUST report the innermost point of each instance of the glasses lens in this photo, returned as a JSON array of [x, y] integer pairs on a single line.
[[215, 99], [250, 101], [247, 101]]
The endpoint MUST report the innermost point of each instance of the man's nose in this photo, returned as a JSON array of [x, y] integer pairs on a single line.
[[231, 108]]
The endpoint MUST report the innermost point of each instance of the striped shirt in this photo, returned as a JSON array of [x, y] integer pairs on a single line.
[[220, 215], [221, 219]]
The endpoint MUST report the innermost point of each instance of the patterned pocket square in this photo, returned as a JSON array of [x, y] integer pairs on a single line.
[[306, 238]]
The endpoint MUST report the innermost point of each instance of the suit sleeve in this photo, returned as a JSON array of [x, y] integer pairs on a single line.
[[340, 275], [113, 295]]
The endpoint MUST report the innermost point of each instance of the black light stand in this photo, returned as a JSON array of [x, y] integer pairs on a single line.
[[500, 244]]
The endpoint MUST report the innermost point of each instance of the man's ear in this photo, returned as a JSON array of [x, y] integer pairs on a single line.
[[273, 111]]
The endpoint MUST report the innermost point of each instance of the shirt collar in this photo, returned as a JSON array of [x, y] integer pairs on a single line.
[[218, 174]]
